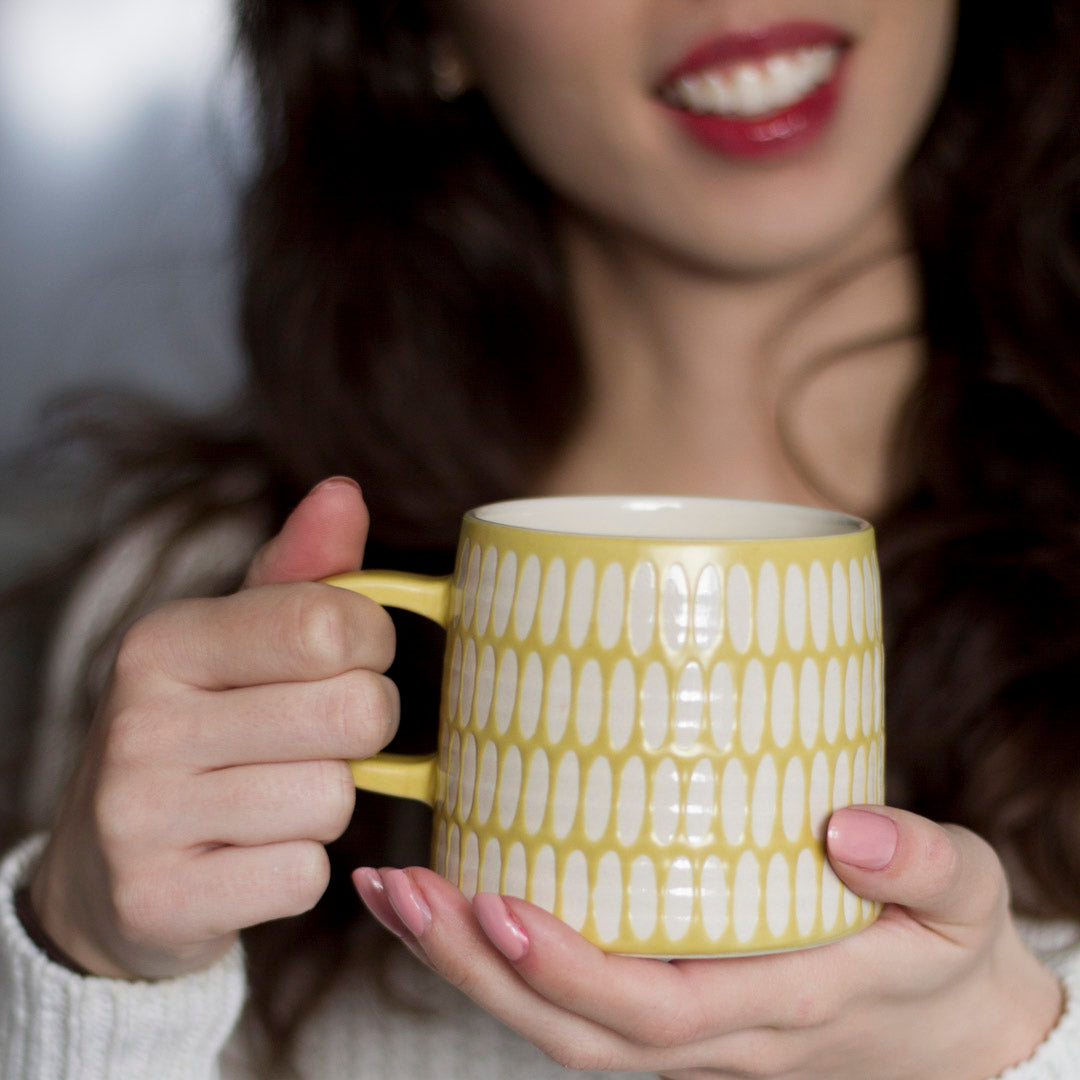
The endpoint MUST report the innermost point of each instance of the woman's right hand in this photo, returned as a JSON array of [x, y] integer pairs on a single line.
[[215, 770]]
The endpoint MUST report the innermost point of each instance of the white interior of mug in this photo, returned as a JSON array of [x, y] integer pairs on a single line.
[[692, 518]]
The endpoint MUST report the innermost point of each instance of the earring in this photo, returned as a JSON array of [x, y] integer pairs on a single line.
[[450, 75]]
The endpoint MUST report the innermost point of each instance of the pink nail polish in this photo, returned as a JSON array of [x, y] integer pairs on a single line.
[[500, 925], [408, 903], [862, 838], [370, 887]]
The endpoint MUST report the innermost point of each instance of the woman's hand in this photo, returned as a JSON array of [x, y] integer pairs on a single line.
[[940, 987], [215, 769]]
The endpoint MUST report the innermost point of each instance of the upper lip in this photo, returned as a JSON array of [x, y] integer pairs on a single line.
[[754, 45]]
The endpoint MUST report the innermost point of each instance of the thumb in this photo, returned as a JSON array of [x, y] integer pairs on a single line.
[[945, 876], [324, 535]]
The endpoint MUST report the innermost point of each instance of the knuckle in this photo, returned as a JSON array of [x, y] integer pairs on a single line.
[[304, 876], [578, 1054], [140, 648], [339, 793], [669, 1028], [142, 906], [366, 711], [319, 630]]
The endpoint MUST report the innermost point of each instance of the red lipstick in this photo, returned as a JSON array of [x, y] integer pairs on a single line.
[[791, 125]]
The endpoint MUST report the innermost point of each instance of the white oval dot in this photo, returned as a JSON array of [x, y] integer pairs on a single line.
[[868, 599], [485, 786], [536, 791], [795, 607], [675, 608], [515, 882], [575, 890], [856, 581], [486, 594], [510, 786], [597, 798], [866, 698], [455, 679], [714, 897], [528, 594], [644, 902], [453, 772], [778, 895], [544, 878], [631, 803], [782, 707], [819, 606], [809, 703], [665, 803], [642, 614], [607, 897], [768, 608], [793, 805], [532, 693], [841, 794], [765, 798], [590, 703], [557, 713], [567, 794], [879, 689], [722, 706], [873, 786], [611, 605], [551, 606], [581, 602], [700, 803], [689, 706], [707, 608], [468, 775], [733, 801], [858, 776], [740, 620], [819, 794], [655, 702], [491, 867], [746, 897], [472, 584], [752, 707], [504, 594], [506, 691], [440, 850], [470, 865], [468, 682], [851, 697], [485, 687], [806, 892], [453, 856], [622, 707], [851, 905], [832, 700], [678, 898], [840, 613], [830, 897]]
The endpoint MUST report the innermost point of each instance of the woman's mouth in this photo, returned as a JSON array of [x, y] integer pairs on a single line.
[[759, 94]]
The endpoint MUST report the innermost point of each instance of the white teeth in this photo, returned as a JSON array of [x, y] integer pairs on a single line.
[[754, 89]]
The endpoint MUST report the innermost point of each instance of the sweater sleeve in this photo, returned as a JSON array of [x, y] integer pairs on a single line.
[[56, 1025]]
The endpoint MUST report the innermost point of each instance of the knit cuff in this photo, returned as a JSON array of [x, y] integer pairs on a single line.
[[57, 1025]]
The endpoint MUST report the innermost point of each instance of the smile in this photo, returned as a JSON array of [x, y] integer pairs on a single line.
[[755, 88]]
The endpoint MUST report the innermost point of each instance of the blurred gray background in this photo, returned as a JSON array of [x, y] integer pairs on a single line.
[[122, 143]]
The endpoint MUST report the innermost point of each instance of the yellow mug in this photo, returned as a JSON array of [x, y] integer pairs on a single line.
[[649, 708]]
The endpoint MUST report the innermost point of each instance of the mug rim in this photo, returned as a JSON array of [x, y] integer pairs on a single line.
[[570, 513]]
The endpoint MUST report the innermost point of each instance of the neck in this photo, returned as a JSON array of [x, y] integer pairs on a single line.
[[714, 384]]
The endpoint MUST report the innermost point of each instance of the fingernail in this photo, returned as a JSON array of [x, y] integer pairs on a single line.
[[336, 482], [408, 904], [498, 922], [370, 887], [862, 838]]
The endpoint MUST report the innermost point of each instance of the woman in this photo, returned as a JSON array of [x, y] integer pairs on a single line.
[[696, 261]]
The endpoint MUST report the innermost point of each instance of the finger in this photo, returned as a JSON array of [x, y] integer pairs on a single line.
[[324, 535], [352, 715], [252, 805], [943, 875], [270, 634]]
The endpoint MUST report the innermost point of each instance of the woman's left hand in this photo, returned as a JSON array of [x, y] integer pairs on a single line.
[[939, 987]]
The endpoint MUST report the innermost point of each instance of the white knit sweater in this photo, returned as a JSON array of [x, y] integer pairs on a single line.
[[56, 1025]]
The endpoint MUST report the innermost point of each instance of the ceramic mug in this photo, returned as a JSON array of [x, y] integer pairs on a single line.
[[649, 708]]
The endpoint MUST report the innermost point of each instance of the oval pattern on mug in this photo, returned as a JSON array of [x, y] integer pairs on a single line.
[[855, 584], [778, 895], [542, 892], [472, 584], [734, 806], [765, 799], [611, 605], [491, 867], [486, 594], [598, 798], [752, 707], [485, 786], [630, 810], [714, 897], [485, 687], [819, 606], [793, 802], [470, 865], [506, 691], [551, 606], [839, 604], [528, 596], [806, 892], [582, 593], [590, 703], [644, 902], [740, 619], [468, 775], [510, 786], [809, 703], [832, 700], [567, 794], [722, 706], [516, 879], [707, 608], [575, 890], [536, 792], [642, 613], [607, 897], [819, 794], [622, 705], [468, 681], [782, 707], [678, 898], [503, 604], [675, 608], [746, 897], [532, 693], [700, 803], [559, 692], [768, 609], [689, 706], [851, 697], [795, 607], [665, 802], [866, 698], [655, 701]]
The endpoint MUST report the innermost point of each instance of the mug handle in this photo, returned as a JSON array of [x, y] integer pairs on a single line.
[[408, 776]]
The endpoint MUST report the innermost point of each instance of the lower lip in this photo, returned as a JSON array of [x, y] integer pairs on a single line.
[[785, 131]]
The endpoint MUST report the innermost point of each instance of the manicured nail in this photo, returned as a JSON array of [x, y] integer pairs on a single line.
[[407, 902], [370, 887], [862, 838], [500, 925]]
